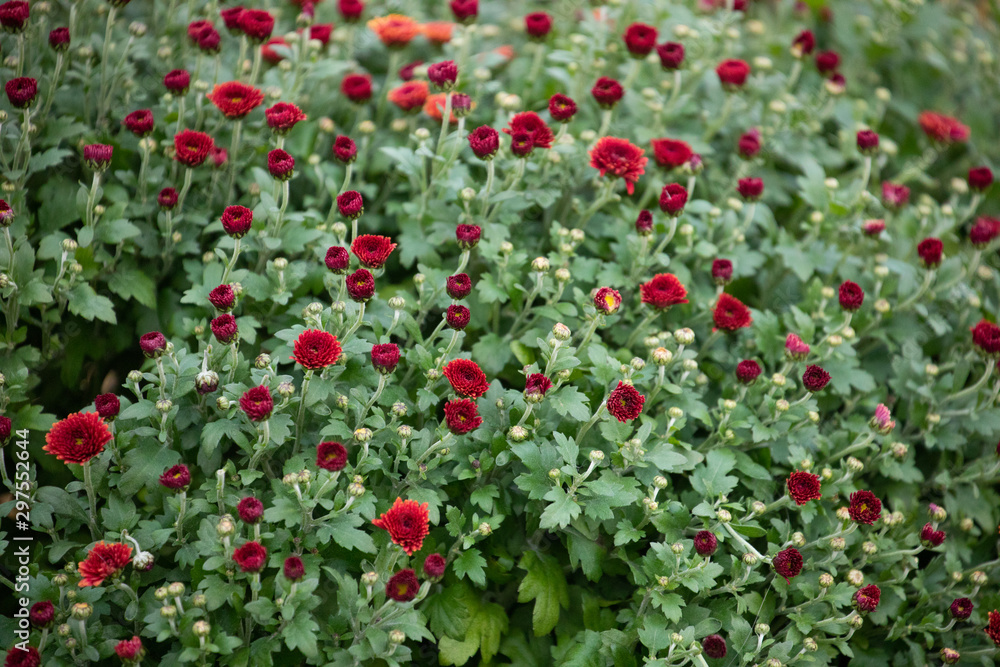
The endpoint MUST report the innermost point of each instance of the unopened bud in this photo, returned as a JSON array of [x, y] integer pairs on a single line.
[[561, 332], [838, 543], [517, 433], [826, 580], [262, 361], [724, 516], [662, 356], [675, 413], [684, 336], [798, 539]]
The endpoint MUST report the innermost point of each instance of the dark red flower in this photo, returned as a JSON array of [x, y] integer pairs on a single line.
[[407, 71], [895, 196], [176, 478], [407, 523], [411, 96], [984, 231], [78, 438], [733, 73], [625, 403], [531, 124], [280, 164], [867, 142], [538, 25], [750, 188], [14, 15], [231, 17], [468, 236], [224, 329], [521, 145], [153, 344], [607, 300], [961, 609], [209, 40], [360, 285], [663, 291], [107, 406], [18, 658], [865, 508], [350, 204], [803, 44], [536, 384], [644, 223], [980, 178], [484, 142], [930, 537], [730, 314], [344, 149], [6, 425], [98, 156], [851, 296], [714, 646], [191, 148], [561, 108], [257, 403], [867, 598], [59, 39], [671, 55], [282, 117], [671, 153], [250, 557], [749, 144], [21, 91], [402, 586], [331, 456], [464, 11], [372, 251], [705, 543], [434, 565], [803, 486], [673, 198], [607, 92], [316, 349], [195, 28], [385, 357], [271, 54], [337, 259], [787, 563], [443, 74], [219, 157], [223, 298], [177, 81], [256, 24], [620, 157], [986, 336], [167, 199], [873, 228], [942, 129], [466, 378], [722, 271], [747, 371], [42, 614], [827, 62], [103, 561], [461, 416], [351, 10], [357, 88], [236, 220], [993, 629], [294, 568], [458, 286], [640, 39], [457, 317], [321, 32], [929, 251], [250, 510], [139, 123], [815, 378]]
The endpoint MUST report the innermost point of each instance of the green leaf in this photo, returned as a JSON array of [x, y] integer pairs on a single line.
[[453, 652], [711, 479], [343, 529], [545, 583], [120, 514], [562, 510], [144, 465], [470, 564], [486, 628], [133, 284], [570, 402], [89, 305], [300, 634]]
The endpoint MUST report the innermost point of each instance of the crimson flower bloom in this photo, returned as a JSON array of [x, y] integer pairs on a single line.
[[191, 148], [209, 40], [219, 157], [316, 349], [321, 32], [607, 300], [6, 424], [410, 97], [195, 28], [986, 336], [176, 478], [466, 378], [153, 344], [457, 317], [468, 236], [222, 298], [749, 144], [993, 629], [640, 39], [867, 598], [14, 15], [351, 10], [895, 196], [464, 11], [538, 25], [612, 155], [385, 357], [257, 403], [671, 55], [21, 91], [407, 523], [942, 129], [561, 108], [644, 223], [980, 178], [731, 314], [931, 538], [78, 438], [250, 557], [788, 563], [443, 74], [851, 296], [344, 149], [815, 378], [673, 199], [434, 566], [269, 53], [536, 384], [607, 92], [357, 88], [714, 646], [663, 291], [282, 117], [531, 124], [280, 164], [705, 543], [747, 371], [250, 509], [803, 44], [484, 142], [733, 73], [139, 123], [750, 188], [984, 231], [961, 609], [461, 416], [867, 142], [98, 156], [224, 329], [107, 406], [360, 285], [458, 286], [236, 220], [803, 486], [873, 228], [26, 658], [256, 24], [865, 508], [625, 402], [42, 614], [402, 586], [337, 259], [177, 81], [372, 251], [671, 153], [930, 250], [103, 562], [520, 144], [827, 62], [722, 271], [331, 456], [231, 18], [350, 204], [59, 39], [294, 569]]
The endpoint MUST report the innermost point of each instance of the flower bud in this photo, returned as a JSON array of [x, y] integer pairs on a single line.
[[225, 527], [966, 524], [773, 662], [397, 637], [517, 433], [762, 628], [950, 656], [724, 516], [690, 365], [684, 336], [161, 594], [485, 529], [363, 434], [596, 456], [854, 465], [563, 275], [750, 560], [64, 630], [60, 579], [781, 405], [262, 361], [778, 380], [175, 589], [168, 611], [164, 405], [561, 332], [826, 580], [286, 389], [81, 611], [856, 621], [978, 578], [199, 600], [660, 482], [677, 548], [398, 409], [838, 544], [369, 578], [405, 432], [540, 265], [356, 489], [937, 512], [201, 628], [798, 539], [758, 507], [675, 413], [662, 356], [870, 548]]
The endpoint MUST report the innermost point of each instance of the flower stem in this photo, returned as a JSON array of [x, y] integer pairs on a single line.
[[302, 411], [232, 261], [234, 148], [593, 420], [188, 174], [95, 184], [179, 524], [990, 365], [368, 406], [637, 331], [91, 498]]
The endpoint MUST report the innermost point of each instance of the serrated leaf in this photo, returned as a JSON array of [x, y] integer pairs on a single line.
[[545, 583]]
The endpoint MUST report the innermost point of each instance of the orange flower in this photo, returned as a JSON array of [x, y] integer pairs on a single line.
[[438, 32], [434, 107], [410, 96], [505, 51], [395, 30]]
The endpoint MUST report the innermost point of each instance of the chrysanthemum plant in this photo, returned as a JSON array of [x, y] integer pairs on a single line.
[[352, 332]]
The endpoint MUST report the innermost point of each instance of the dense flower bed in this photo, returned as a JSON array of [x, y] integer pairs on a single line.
[[357, 332]]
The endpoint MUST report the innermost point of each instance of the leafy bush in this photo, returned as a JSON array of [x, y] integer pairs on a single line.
[[391, 366]]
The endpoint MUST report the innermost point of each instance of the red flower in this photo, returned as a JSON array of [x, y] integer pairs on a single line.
[[484, 142], [625, 403], [191, 148], [406, 71], [788, 563], [984, 231], [607, 92], [167, 199], [139, 123], [337, 259], [942, 129], [316, 349], [980, 178], [410, 96], [331, 456], [607, 300], [749, 144], [351, 9], [177, 81], [750, 188], [457, 317], [536, 384], [961, 609], [257, 403], [705, 543], [561, 108], [209, 40], [236, 220], [468, 236], [803, 487], [78, 438], [269, 53], [458, 286], [865, 508], [153, 344], [815, 378], [407, 523], [231, 17], [59, 39], [443, 74], [867, 598], [930, 537], [280, 164], [929, 251], [722, 271], [395, 30], [350, 204], [107, 406], [195, 28], [986, 336], [402, 586], [673, 198], [177, 477], [873, 228], [344, 149], [803, 44], [895, 196], [538, 25], [730, 314], [372, 251], [867, 142], [640, 39], [465, 11], [14, 15], [219, 157], [434, 566], [98, 156], [663, 291], [466, 378], [670, 153], [619, 157], [294, 568], [250, 557], [103, 562], [321, 32], [747, 371], [520, 144], [6, 424], [671, 55], [851, 296], [993, 629], [282, 117], [224, 329], [644, 223], [18, 658], [42, 614], [357, 88], [531, 124], [827, 62], [256, 24], [360, 285], [714, 646], [222, 298], [733, 73], [385, 357], [21, 91], [250, 510], [462, 416]]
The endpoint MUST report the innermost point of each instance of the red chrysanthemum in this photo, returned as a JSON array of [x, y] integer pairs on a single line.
[[671, 55], [139, 123], [224, 328], [531, 124], [986, 336], [827, 62], [803, 486], [269, 53], [930, 250], [351, 10], [59, 39], [466, 378], [484, 142], [804, 43], [372, 251], [613, 155], [283, 116], [321, 32], [357, 88], [177, 81], [344, 149], [167, 199], [315, 349], [331, 456], [722, 271], [873, 228], [191, 148], [747, 371], [538, 25], [231, 18], [153, 344], [815, 378], [788, 563], [942, 129], [443, 74], [983, 231], [714, 646], [257, 403], [980, 178], [561, 108], [250, 557], [250, 510], [865, 507], [280, 164], [705, 543], [468, 236], [607, 300], [961, 608], [671, 153], [640, 39], [107, 406], [663, 291], [461, 416], [464, 11], [360, 285], [894, 195], [14, 15], [867, 142], [625, 402], [394, 30], [176, 478], [385, 357], [410, 96], [731, 314], [222, 298], [536, 384], [930, 537], [42, 614], [993, 629], [78, 438], [851, 296], [337, 259], [21, 91], [402, 586], [749, 144], [607, 92], [408, 524], [673, 199], [457, 317], [750, 189], [866, 599], [644, 223], [236, 220], [733, 73], [458, 286], [434, 566], [18, 658], [103, 562], [350, 204], [294, 568], [256, 24]]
